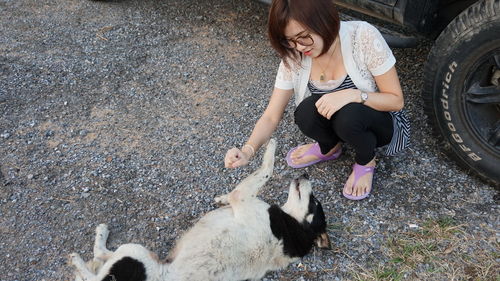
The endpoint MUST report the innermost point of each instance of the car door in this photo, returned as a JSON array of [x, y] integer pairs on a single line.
[[378, 8]]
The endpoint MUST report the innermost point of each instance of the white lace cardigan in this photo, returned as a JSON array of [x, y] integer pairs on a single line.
[[365, 54]]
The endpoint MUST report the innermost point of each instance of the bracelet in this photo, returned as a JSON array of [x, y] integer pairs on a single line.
[[251, 148]]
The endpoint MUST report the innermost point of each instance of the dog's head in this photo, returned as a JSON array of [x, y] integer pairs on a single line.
[[301, 222], [306, 209]]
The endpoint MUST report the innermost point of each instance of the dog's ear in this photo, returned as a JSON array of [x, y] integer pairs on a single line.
[[318, 223], [323, 241]]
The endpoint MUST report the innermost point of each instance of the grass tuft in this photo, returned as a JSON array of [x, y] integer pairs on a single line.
[[440, 250]]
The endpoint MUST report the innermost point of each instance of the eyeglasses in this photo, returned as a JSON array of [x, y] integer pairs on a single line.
[[305, 40]]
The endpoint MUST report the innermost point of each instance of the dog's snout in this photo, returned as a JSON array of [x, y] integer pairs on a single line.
[[305, 176]]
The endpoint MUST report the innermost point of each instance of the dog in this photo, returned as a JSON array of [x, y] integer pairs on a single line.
[[240, 241]]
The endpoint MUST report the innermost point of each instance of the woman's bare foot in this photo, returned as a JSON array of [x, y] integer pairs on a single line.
[[363, 185], [298, 157]]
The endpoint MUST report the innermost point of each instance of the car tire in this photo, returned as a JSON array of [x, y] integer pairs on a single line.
[[462, 89]]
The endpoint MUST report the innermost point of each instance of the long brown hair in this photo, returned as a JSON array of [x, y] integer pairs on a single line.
[[317, 16]]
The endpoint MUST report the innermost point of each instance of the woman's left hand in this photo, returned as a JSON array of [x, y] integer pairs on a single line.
[[328, 104]]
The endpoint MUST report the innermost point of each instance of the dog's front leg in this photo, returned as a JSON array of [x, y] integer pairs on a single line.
[[250, 186]]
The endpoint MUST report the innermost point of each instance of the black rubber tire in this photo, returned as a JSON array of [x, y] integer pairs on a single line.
[[453, 63]]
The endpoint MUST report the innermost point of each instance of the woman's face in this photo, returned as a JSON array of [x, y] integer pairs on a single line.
[[298, 37]]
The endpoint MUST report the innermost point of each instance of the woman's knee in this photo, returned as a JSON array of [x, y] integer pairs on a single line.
[[351, 111], [350, 117], [306, 112]]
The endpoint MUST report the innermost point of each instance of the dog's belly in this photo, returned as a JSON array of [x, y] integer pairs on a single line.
[[221, 246]]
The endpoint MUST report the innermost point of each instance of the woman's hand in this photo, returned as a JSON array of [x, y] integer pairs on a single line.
[[328, 104], [236, 158]]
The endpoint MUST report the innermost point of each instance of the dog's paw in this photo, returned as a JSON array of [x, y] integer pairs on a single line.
[[102, 229], [271, 143], [221, 200], [74, 259]]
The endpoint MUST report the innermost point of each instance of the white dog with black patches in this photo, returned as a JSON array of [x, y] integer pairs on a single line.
[[240, 241]]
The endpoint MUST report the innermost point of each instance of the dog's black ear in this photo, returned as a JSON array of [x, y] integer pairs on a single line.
[[323, 241], [318, 223]]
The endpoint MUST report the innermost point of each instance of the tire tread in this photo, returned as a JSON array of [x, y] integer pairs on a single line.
[[454, 32]]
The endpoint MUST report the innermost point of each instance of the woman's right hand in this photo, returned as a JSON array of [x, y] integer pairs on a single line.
[[236, 158]]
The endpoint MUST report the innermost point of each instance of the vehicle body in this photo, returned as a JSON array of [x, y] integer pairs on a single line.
[[462, 75]]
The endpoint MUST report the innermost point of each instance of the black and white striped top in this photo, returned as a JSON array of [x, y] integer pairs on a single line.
[[401, 135]]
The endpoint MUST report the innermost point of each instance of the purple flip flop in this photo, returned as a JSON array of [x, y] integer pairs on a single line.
[[359, 171], [313, 150]]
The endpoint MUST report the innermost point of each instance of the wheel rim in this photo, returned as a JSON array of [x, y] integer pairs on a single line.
[[482, 100]]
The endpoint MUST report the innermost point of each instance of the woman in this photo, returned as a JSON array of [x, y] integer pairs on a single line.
[[346, 90]]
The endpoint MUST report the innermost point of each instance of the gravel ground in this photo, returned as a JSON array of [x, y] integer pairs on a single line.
[[121, 112]]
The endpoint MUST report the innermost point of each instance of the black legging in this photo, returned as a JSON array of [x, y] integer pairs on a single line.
[[358, 125]]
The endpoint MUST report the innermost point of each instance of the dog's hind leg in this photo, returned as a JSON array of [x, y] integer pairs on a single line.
[[250, 186], [100, 251], [82, 270]]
